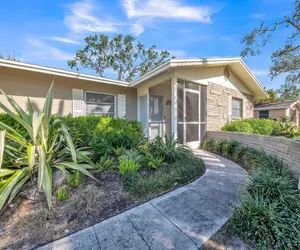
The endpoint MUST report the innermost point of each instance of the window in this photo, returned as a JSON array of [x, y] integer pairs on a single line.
[[293, 115], [264, 114], [156, 108], [100, 104], [237, 108]]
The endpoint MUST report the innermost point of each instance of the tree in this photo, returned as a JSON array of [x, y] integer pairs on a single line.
[[272, 97], [122, 54], [285, 60]]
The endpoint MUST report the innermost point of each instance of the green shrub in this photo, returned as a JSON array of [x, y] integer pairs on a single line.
[[116, 133], [238, 126], [266, 225], [128, 165], [81, 128], [168, 149], [208, 144], [269, 215], [178, 172], [74, 179], [62, 193], [153, 162], [105, 163], [262, 126]]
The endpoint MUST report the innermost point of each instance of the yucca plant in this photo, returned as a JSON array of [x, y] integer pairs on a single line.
[[46, 145]]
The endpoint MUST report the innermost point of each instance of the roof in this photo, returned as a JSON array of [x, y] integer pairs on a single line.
[[276, 105], [58, 72], [237, 65]]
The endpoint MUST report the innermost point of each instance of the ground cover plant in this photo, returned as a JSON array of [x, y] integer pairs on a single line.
[[282, 127], [268, 217]]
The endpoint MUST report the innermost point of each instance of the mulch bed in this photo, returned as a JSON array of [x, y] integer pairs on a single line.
[[27, 224]]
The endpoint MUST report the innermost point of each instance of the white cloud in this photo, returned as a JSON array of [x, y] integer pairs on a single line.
[[166, 9], [260, 72], [62, 39], [82, 19], [38, 49], [136, 29]]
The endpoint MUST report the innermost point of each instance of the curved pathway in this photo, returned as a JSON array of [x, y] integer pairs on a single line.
[[181, 219]]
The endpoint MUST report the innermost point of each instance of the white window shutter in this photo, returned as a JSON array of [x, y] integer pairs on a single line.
[[229, 108], [78, 102], [121, 106], [244, 109]]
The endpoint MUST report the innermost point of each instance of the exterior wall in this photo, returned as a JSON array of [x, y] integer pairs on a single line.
[[284, 148], [274, 113], [212, 74], [20, 84], [217, 105]]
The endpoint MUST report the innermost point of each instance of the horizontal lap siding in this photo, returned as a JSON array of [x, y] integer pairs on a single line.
[[20, 84], [287, 149]]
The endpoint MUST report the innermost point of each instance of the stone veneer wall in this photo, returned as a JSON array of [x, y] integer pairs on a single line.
[[287, 149], [217, 105]]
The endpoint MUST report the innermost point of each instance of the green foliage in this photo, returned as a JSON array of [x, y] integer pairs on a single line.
[[46, 144], [268, 217], [119, 151], [283, 127], [153, 162], [74, 179], [105, 163], [81, 128], [178, 172], [116, 133], [285, 60], [272, 97], [167, 148], [122, 54], [62, 193], [238, 126], [128, 165]]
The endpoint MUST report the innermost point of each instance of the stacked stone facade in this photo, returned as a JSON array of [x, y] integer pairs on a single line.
[[286, 149], [217, 105]]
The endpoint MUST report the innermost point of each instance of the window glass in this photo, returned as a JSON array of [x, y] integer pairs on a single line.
[[100, 104], [236, 108], [99, 98], [156, 108], [264, 114], [193, 86]]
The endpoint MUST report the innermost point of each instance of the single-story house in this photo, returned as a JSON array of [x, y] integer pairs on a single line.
[[276, 110], [184, 97]]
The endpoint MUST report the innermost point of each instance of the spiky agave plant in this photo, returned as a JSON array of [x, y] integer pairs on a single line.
[[46, 145]]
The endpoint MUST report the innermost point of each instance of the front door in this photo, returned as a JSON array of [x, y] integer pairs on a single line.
[[191, 113]]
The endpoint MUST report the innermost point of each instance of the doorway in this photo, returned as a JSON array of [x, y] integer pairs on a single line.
[[191, 113]]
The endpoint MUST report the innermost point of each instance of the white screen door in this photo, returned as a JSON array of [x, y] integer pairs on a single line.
[[191, 113]]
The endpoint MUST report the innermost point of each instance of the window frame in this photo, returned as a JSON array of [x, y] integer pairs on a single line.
[[103, 93], [241, 108], [261, 117]]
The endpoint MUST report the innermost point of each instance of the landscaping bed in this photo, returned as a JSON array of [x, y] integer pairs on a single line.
[[63, 174], [268, 217]]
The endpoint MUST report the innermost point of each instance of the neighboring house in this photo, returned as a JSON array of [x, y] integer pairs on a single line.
[[276, 110], [184, 97]]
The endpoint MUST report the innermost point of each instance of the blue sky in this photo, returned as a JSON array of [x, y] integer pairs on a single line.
[[48, 32]]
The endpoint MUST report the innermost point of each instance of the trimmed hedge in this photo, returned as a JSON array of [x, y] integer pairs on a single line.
[[282, 127], [268, 217]]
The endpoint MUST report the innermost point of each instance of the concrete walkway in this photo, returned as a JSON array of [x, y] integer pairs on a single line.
[[182, 219]]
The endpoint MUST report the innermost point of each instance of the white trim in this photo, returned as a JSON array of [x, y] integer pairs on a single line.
[[59, 72], [266, 108], [174, 106], [96, 92]]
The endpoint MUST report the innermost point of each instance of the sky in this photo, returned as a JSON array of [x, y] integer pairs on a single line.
[[48, 32]]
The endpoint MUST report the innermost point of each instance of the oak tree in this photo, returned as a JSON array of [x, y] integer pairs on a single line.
[[121, 54]]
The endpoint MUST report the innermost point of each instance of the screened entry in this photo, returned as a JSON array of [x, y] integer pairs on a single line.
[[191, 113]]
